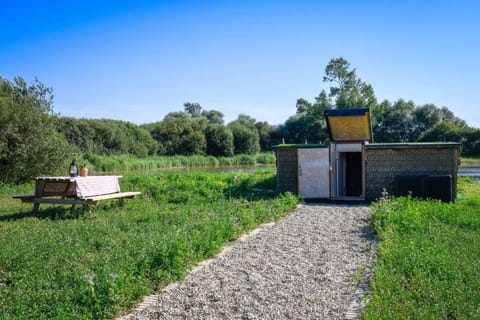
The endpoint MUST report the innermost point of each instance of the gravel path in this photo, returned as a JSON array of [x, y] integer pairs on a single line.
[[313, 264]]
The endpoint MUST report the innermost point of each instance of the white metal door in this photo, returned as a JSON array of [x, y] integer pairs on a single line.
[[313, 173]]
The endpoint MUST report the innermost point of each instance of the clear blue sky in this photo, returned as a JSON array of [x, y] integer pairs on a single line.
[[139, 60]]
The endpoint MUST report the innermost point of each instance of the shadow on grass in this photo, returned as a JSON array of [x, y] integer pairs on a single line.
[[252, 192], [53, 213]]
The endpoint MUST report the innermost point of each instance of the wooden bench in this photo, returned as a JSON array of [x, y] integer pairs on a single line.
[[86, 201], [75, 190], [24, 197], [119, 195]]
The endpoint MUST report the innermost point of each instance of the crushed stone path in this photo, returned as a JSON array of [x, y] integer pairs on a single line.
[[313, 264]]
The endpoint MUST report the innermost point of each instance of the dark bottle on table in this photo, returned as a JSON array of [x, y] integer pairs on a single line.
[[73, 168]]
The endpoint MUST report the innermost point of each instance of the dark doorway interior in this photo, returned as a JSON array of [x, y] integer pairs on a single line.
[[353, 174]]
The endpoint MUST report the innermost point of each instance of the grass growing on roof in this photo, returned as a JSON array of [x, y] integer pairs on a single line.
[[428, 258], [60, 264]]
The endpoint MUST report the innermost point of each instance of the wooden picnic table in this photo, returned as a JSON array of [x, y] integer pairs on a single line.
[[75, 190]]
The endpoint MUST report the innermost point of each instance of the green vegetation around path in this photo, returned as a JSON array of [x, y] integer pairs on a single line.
[[427, 265], [61, 264]]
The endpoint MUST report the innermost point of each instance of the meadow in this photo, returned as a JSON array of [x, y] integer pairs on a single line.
[[96, 264], [471, 162], [427, 264]]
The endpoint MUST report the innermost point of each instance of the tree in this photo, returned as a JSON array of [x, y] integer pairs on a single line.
[[453, 132], [471, 145], [321, 104], [338, 71], [267, 135], [448, 115], [105, 136], [397, 122], [350, 92], [295, 129], [425, 118], [30, 144], [141, 143], [156, 131], [193, 108], [400, 121], [213, 116], [444, 131], [181, 134], [303, 105], [347, 92], [245, 135], [303, 128], [308, 125], [219, 140]]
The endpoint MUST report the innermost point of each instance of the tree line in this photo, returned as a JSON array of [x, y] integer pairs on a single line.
[[398, 121], [34, 140], [190, 132]]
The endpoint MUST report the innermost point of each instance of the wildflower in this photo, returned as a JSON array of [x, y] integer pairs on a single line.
[[385, 196], [113, 276], [89, 279]]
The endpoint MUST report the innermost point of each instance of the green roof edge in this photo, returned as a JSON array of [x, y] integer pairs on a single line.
[[413, 144], [301, 145]]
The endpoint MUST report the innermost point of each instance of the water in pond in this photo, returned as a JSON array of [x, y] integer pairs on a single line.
[[225, 169], [462, 171], [469, 172], [238, 169]]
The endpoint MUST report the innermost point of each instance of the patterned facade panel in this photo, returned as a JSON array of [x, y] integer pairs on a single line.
[[382, 165], [287, 170]]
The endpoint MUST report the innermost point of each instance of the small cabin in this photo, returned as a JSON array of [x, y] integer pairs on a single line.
[[352, 167]]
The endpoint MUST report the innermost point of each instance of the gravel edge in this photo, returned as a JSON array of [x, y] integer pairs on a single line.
[[313, 264]]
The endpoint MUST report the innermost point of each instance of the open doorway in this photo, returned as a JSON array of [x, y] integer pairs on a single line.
[[349, 178], [353, 174]]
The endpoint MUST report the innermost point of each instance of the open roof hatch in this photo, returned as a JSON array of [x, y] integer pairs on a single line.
[[349, 125]]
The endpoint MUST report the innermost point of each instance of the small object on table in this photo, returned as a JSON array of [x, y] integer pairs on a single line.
[[83, 172], [73, 168]]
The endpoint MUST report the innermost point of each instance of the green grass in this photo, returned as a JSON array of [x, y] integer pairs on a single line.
[[428, 258], [98, 163], [470, 162], [61, 264]]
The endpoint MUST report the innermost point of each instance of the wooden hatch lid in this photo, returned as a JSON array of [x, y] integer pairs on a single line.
[[349, 125]]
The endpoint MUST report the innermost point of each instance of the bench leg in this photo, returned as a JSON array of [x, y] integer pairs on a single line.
[[35, 207]]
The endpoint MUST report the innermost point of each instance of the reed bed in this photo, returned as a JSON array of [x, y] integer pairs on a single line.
[[99, 163]]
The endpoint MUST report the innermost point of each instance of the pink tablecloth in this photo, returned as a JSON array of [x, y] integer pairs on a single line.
[[96, 185]]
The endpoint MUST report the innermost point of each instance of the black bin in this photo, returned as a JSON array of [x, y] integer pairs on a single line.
[[406, 184], [438, 187]]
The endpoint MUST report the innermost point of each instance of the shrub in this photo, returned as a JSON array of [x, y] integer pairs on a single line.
[[30, 144]]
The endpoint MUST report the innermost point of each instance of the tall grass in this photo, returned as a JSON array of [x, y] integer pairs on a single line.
[[471, 162], [428, 258], [98, 163], [62, 264]]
